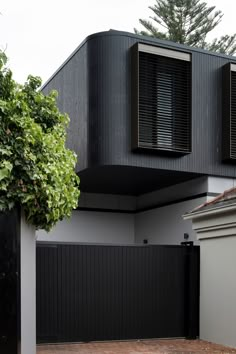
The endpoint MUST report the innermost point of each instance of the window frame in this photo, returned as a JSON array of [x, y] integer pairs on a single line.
[[135, 85]]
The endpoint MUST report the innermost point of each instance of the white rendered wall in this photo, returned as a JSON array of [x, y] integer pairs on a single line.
[[220, 184], [28, 288], [218, 290], [165, 225], [93, 227]]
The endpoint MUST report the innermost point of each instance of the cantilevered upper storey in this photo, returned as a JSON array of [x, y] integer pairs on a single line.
[[147, 113]]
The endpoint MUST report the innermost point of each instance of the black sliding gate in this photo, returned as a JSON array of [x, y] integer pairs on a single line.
[[87, 292]]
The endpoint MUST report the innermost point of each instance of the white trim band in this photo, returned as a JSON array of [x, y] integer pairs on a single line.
[[164, 52]]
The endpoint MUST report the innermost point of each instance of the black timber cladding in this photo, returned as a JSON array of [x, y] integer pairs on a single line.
[[99, 292], [161, 85], [10, 302], [71, 82], [100, 73]]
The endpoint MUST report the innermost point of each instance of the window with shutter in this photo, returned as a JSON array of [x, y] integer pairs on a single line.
[[161, 99], [229, 113]]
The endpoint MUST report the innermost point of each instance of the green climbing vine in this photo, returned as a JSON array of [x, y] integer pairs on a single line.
[[36, 169]]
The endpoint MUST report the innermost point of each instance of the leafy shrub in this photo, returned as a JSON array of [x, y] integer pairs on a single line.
[[36, 169]]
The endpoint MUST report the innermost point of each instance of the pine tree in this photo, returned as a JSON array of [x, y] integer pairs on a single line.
[[188, 22]]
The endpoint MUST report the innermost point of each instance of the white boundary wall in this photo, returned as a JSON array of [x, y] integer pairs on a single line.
[[218, 290], [93, 227], [216, 230]]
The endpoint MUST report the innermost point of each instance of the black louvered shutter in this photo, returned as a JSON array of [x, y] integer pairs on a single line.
[[164, 103], [229, 113], [233, 115]]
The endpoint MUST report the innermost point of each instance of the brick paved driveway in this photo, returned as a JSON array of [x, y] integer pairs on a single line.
[[180, 346]]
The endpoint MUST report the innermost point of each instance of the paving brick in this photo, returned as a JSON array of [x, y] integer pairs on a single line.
[[178, 346]]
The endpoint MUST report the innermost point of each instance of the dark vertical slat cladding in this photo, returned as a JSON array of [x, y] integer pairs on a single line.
[[77, 296], [207, 113], [71, 82], [95, 89], [116, 292], [68, 290], [47, 294], [67, 272], [59, 289], [62, 289], [191, 285], [10, 282], [89, 276], [169, 291], [85, 295]]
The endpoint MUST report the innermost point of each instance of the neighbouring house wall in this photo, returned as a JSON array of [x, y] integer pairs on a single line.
[[218, 290], [215, 226], [93, 227], [165, 225]]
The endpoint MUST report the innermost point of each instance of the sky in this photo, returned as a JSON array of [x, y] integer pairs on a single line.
[[38, 36]]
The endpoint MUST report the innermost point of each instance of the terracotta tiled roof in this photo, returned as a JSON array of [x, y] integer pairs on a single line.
[[226, 198]]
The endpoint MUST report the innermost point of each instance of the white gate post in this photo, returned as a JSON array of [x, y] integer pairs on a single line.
[[27, 287]]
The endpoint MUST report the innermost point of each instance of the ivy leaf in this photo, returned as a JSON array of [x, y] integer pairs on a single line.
[[4, 173], [6, 170], [6, 151]]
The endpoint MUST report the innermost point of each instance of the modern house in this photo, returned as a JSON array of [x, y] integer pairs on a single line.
[[146, 123], [154, 126]]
